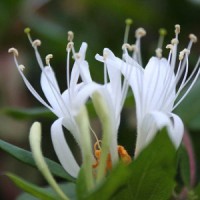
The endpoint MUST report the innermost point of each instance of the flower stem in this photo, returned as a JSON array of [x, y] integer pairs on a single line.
[[102, 111], [86, 147]]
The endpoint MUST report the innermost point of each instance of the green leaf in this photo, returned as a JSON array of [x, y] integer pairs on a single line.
[[28, 113], [149, 177], [31, 188], [27, 158], [195, 194], [81, 188], [68, 188], [184, 165]]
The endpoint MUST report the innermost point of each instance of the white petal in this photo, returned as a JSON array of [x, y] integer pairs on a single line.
[[52, 92], [155, 121], [177, 130], [157, 79], [62, 149], [85, 72], [83, 94], [82, 50]]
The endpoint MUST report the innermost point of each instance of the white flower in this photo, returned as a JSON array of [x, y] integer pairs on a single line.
[[157, 88], [66, 106], [114, 93]]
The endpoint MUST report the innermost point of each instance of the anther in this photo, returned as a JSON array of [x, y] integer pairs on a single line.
[[158, 52], [169, 46], [69, 46], [36, 43], [193, 38], [128, 46], [174, 41], [14, 51], [48, 57], [182, 53], [27, 30], [21, 67], [177, 28], [140, 32], [70, 36]]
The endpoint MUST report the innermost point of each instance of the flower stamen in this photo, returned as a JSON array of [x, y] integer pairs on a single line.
[[70, 36], [48, 58], [123, 155]]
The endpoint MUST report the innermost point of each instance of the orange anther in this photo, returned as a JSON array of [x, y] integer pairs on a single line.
[[123, 155]]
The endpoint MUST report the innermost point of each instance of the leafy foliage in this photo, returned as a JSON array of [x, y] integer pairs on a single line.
[[26, 157]]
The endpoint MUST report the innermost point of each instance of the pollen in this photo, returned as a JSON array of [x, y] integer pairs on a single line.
[[48, 58], [14, 51], [182, 53], [140, 32], [169, 46], [159, 52], [128, 46], [123, 155], [174, 41], [21, 67], [70, 36], [177, 28], [69, 46], [193, 38], [36, 43]]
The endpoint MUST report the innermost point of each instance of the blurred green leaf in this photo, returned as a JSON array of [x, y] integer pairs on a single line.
[[183, 161], [28, 113], [31, 188], [68, 188], [196, 192], [81, 188], [27, 158], [189, 109], [149, 177]]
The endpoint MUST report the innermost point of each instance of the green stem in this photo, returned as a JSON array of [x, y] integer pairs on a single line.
[[86, 147], [103, 113]]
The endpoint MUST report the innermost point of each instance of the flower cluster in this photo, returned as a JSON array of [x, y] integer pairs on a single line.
[[158, 89]]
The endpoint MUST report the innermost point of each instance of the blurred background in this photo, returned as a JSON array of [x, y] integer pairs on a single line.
[[100, 24]]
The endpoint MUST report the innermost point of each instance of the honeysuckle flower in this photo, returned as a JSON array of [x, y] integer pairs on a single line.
[[108, 99], [113, 92], [67, 106], [158, 87]]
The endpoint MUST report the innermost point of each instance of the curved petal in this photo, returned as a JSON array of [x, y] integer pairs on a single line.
[[83, 94], [62, 149], [82, 50], [85, 72], [177, 129], [157, 78], [52, 92], [153, 122]]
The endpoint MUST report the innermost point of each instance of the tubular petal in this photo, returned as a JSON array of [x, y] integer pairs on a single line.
[[62, 149]]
